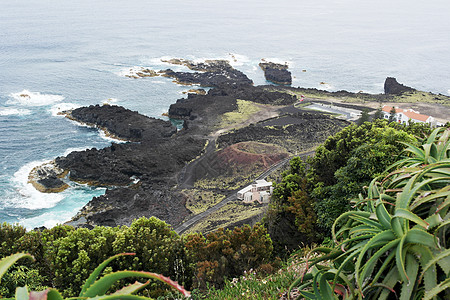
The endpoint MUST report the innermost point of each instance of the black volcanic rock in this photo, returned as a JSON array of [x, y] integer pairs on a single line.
[[121, 205], [276, 73], [299, 131], [221, 100], [123, 123], [391, 86], [258, 94], [212, 73]]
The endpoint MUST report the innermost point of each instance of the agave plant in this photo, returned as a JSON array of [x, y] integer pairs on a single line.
[[396, 240], [94, 287]]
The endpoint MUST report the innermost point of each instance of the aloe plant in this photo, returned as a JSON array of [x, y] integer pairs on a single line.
[[94, 286], [395, 240]]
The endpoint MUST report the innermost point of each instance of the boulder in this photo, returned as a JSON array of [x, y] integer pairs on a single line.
[[276, 73], [391, 86]]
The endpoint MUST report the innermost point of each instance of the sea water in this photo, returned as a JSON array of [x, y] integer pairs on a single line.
[[58, 55]]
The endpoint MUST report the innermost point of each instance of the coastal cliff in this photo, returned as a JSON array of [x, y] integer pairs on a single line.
[[160, 171]]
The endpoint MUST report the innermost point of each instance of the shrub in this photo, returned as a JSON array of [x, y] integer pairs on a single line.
[[396, 239], [227, 253]]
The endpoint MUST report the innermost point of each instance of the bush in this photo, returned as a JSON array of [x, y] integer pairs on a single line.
[[396, 238], [227, 253]]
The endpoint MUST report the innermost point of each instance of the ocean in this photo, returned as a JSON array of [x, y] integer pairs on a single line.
[[57, 55]]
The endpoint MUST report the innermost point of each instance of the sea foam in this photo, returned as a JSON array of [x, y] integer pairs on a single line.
[[29, 197], [28, 98], [57, 109], [14, 112]]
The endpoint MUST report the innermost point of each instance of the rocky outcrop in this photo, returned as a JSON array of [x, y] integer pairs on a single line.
[[221, 100], [141, 72], [47, 178], [123, 123], [391, 86], [195, 91], [121, 205], [211, 73], [146, 171], [276, 73]]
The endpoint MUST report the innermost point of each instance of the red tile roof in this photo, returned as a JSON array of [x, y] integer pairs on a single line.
[[407, 112]]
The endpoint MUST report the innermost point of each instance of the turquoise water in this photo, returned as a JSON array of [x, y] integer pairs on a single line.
[[64, 54]]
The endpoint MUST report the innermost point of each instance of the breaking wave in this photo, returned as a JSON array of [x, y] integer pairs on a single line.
[[27, 98]]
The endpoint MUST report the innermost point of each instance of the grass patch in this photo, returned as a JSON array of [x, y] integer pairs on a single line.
[[228, 215], [199, 201], [224, 182], [423, 97], [244, 111]]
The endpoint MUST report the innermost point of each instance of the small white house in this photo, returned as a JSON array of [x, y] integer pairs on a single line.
[[260, 191], [404, 115]]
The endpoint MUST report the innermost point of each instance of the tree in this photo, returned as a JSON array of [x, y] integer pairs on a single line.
[[378, 114], [364, 117], [395, 240], [392, 113]]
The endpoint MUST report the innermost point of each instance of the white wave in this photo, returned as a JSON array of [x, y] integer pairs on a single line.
[[30, 197], [57, 109], [278, 61], [14, 112], [28, 98], [104, 136], [77, 149], [130, 71], [325, 86], [48, 219], [237, 60], [110, 101]]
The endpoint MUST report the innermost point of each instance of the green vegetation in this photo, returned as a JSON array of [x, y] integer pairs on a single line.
[[94, 287], [364, 117], [244, 111], [65, 258], [341, 166], [199, 201], [380, 191], [226, 253], [228, 182], [395, 240], [424, 97], [227, 216]]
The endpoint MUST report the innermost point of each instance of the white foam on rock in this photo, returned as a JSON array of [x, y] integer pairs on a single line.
[[108, 138], [77, 149], [237, 60], [57, 109], [278, 61], [31, 198], [110, 101], [27, 98]]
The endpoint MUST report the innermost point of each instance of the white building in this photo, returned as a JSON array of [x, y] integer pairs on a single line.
[[404, 115], [260, 191]]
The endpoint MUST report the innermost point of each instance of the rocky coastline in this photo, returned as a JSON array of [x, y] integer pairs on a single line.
[[146, 176]]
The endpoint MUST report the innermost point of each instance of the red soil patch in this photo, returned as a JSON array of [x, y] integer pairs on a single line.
[[249, 156]]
